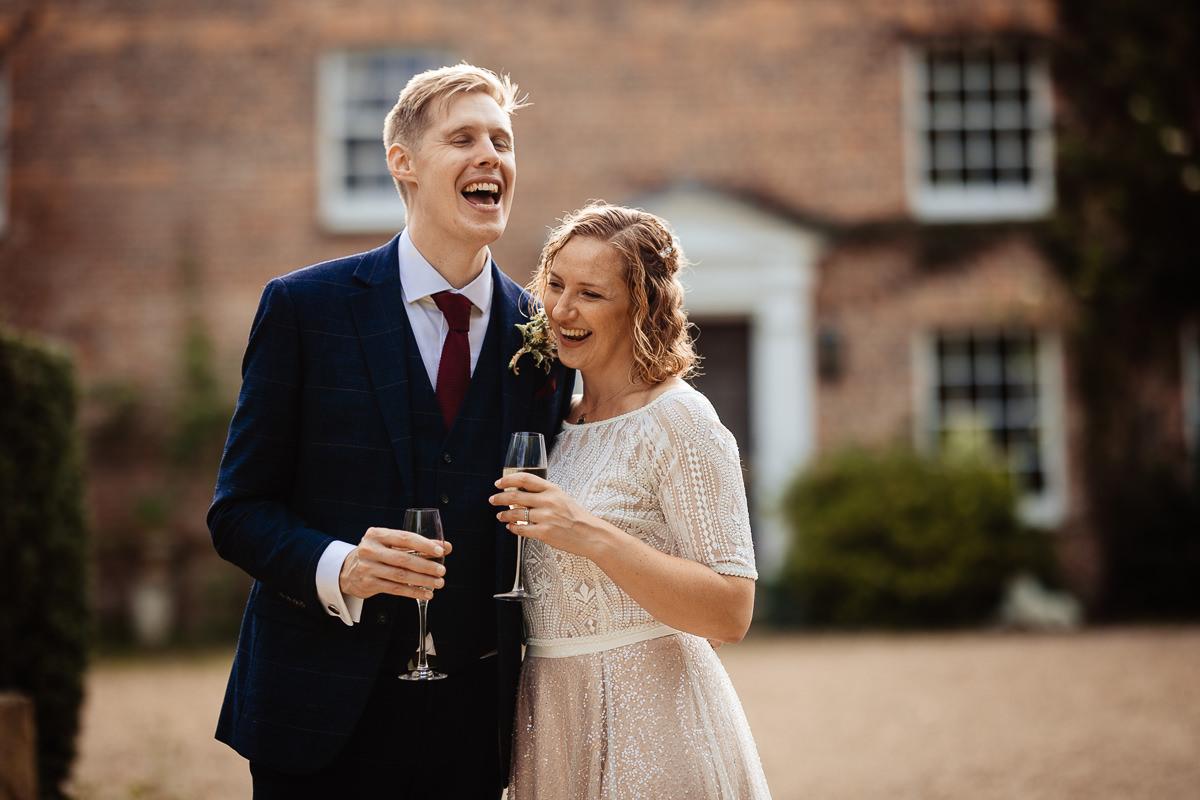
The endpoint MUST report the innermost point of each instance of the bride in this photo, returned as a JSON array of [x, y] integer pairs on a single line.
[[638, 545]]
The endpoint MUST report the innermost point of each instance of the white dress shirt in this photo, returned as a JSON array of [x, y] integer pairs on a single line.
[[419, 281]]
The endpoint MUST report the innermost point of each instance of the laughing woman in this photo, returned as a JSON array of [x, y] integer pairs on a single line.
[[638, 546]]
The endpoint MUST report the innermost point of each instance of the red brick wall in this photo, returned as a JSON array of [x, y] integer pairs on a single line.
[[163, 161], [148, 134]]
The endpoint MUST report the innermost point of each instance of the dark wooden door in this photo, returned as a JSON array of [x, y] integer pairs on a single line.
[[725, 347]]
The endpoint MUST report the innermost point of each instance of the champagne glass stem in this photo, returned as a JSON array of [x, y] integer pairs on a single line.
[[518, 585], [422, 664]]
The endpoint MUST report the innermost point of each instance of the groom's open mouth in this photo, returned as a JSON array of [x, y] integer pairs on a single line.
[[574, 334], [482, 193]]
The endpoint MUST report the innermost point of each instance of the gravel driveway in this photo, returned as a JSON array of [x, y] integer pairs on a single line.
[[1103, 714]]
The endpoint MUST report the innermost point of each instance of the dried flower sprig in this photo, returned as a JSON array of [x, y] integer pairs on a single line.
[[538, 341]]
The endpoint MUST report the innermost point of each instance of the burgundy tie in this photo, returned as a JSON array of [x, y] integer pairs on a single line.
[[454, 370]]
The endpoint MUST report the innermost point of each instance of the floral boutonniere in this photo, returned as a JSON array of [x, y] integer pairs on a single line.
[[538, 341]]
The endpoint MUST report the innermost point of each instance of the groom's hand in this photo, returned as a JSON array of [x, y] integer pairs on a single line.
[[390, 561]]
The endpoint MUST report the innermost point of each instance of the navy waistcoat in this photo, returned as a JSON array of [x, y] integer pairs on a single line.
[[454, 472]]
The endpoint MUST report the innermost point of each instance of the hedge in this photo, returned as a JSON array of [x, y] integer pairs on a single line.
[[45, 629], [892, 539]]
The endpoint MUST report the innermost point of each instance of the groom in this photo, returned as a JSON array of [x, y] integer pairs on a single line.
[[374, 383]]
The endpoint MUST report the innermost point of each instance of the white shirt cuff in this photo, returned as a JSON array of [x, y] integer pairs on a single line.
[[329, 590]]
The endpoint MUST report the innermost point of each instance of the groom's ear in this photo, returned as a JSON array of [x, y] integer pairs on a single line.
[[400, 164]]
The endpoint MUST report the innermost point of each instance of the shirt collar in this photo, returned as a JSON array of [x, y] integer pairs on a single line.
[[418, 278]]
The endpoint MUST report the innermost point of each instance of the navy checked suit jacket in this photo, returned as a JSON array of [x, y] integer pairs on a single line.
[[320, 447]]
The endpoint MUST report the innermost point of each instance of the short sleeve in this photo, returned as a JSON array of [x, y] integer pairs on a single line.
[[700, 486]]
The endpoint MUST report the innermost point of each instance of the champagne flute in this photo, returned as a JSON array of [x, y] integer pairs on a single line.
[[526, 453], [425, 522]]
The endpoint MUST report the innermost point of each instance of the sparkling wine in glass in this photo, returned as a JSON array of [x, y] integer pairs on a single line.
[[426, 522], [526, 453]]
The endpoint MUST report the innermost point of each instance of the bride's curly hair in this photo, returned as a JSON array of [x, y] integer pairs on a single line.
[[662, 340]]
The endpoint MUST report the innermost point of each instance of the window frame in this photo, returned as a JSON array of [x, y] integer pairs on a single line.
[[340, 208], [1047, 507], [967, 202]]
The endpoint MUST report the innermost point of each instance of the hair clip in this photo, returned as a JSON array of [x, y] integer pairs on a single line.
[[666, 251]]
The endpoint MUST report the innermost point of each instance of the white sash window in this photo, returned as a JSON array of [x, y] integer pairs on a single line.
[[355, 92], [1001, 390], [979, 143]]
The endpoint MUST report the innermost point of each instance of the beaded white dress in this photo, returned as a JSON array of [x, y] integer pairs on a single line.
[[612, 703]]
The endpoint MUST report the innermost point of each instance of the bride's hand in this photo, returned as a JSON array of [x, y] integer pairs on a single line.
[[543, 511]]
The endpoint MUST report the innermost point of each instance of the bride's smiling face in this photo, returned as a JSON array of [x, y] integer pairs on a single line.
[[588, 305]]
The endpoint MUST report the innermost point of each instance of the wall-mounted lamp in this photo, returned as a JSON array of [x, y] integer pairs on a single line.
[[829, 353]]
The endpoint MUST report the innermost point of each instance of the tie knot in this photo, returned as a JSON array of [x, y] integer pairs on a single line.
[[456, 308]]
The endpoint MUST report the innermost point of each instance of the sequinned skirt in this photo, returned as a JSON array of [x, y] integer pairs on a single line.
[[656, 719]]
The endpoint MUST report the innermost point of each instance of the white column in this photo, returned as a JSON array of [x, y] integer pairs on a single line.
[[783, 414]]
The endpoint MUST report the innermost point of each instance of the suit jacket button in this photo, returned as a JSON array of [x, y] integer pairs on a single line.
[[382, 618], [447, 458], [445, 498]]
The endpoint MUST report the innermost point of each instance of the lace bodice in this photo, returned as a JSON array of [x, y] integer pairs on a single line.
[[667, 473]]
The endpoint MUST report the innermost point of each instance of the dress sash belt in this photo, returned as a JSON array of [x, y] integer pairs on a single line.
[[583, 645]]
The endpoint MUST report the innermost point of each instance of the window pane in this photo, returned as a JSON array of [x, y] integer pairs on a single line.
[[1008, 76], [978, 115], [1021, 413], [1009, 114], [955, 364], [945, 77], [979, 151], [946, 115], [947, 152], [1010, 151], [977, 75]]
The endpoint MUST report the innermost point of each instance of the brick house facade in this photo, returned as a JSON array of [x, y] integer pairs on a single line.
[[163, 160]]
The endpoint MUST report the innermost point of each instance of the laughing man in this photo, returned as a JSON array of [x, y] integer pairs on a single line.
[[340, 426]]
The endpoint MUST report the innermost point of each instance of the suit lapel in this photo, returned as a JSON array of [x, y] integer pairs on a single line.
[[382, 324]]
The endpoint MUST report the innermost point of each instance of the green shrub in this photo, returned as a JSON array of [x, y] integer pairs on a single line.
[[44, 629], [894, 540]]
